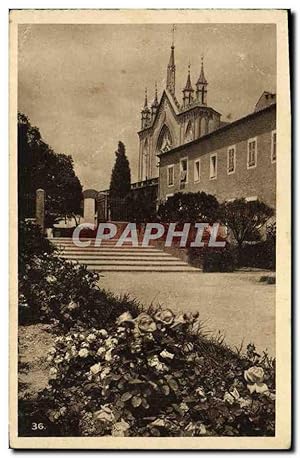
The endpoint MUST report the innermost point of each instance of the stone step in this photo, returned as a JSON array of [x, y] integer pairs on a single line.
[[113, 250], [120, 256], [104, 243], [92, 241], [129, 262], [127, 258], [143, 268]]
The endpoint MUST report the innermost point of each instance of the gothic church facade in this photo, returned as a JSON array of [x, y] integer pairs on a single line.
[[168, 123]]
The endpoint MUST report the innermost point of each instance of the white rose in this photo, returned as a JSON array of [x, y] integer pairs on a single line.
[[95, 369], [91, 337], [108, 355], [102, 333], [83, 353], [52, 373], [166, 354], [101, 351]]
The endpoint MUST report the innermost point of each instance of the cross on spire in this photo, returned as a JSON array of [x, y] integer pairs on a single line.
[[171, 67], [173, 34]]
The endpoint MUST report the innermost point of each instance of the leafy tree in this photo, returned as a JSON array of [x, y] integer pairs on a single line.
[[120, 183], [245, 218], [189, 207], [40, 167], [141, 205]]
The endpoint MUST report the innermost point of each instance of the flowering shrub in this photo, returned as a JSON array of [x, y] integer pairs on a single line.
[[155, 375], [53, 289]]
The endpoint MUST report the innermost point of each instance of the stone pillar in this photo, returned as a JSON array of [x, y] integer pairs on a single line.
[[89, 210], [40, 209]]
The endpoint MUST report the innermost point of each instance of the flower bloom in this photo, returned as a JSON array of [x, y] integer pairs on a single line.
[[154, 361], [103, 333], [200, 392], [145, 323], [120, 428], [165, 316], [111, 343], [52, 373], [72, 305], [104, 373], [91, 337], [105, 414], [101, 351], [83, 353], [255, 376], [166, 354], [108, 355], [126, 317], [95, 369], [228, 398]]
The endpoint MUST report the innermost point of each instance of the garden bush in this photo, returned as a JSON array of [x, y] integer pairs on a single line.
[[261, 255], [155, 375], [60, 291], [224, 260], [189, 207]]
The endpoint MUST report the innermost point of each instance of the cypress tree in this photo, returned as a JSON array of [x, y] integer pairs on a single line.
[[120, 183]]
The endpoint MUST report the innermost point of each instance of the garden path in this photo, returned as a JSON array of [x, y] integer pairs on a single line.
[[236, 304]]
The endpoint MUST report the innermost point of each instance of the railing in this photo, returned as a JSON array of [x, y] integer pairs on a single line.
[[145, 183]]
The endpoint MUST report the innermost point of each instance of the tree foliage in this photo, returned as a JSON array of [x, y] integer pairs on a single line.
[[120, 185], [120, 182], [245, 218], [40, 167], [190, 206], [141, 205]]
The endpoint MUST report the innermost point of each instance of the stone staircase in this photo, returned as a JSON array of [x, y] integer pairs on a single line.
[[109, 258]]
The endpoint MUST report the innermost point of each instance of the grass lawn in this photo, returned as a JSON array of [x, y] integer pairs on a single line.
[[234, 304]]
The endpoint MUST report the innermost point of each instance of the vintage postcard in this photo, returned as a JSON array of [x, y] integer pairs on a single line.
[[150, 229]]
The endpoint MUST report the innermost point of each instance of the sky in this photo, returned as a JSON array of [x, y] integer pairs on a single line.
[[83, 85]]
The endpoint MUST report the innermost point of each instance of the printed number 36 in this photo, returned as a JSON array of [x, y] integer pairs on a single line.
[[38, 426]]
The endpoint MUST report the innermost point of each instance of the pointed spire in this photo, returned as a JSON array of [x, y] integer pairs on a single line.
[[171, 67], [201, 86], [188, 90], [155, 101], [146, 99], [154, 105], [202, 79], [188, 86], [145, 112]]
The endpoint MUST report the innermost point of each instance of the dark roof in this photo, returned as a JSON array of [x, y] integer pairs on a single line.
[[221, 129]]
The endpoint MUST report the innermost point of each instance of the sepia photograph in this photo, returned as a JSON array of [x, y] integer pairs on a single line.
[[150, 262]]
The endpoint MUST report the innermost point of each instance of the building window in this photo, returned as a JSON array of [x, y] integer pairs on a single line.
[[183, 171], [170, 175], [231, 160], [273, 146], [252, 153], [213, 167], [197, 170]]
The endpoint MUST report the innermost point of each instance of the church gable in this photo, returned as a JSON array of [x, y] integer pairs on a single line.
[[165, 117]]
